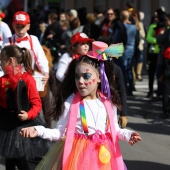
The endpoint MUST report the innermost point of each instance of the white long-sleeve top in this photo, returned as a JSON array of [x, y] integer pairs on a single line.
[[96, 117], [41, 58], [63, 63], [5, 31]]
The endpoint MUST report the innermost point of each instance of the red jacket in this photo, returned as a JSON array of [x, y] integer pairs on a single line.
[[33, 96]]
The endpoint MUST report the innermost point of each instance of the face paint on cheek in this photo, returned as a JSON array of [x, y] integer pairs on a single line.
[[87, 70], [86, 84], [91, 82]]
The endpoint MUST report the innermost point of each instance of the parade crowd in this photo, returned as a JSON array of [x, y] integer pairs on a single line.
[[88, 63]]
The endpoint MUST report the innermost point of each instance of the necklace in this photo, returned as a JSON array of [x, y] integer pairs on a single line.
[[103, 153], [95, 119]]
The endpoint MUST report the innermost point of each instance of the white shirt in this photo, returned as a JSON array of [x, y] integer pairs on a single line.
[[63, 63], [41, 58], [96, 120], [5, 31]]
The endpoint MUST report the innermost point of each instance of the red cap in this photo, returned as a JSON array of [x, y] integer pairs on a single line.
[[80, 37], [21, 17], [2, 15]]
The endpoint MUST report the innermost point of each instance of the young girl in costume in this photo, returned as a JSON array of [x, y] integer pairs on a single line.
[[19, 106], [80, 45], [87, 110]]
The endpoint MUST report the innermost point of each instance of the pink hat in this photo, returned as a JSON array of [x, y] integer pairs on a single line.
[[97, 48], [21, 17], [101, 51], [80, 37]]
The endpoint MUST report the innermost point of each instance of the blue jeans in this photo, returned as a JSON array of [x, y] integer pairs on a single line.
[[128, 75]]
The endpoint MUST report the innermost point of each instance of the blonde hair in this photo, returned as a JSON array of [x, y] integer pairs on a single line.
[[90, 17]]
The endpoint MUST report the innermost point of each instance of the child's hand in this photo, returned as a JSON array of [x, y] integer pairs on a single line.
[[135, 138], [23, 116], [29, 132], [45, 78]]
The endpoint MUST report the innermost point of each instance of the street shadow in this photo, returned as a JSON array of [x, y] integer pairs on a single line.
[[144, 165], [150, 111], [150, 128], [143, 107], [2, 162]]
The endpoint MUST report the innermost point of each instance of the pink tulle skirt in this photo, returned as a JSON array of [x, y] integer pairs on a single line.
[[84, 154]]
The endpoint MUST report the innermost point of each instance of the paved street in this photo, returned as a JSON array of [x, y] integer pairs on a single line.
[[153, 153]]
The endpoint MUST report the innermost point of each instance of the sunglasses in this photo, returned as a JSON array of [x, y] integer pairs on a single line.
[[109, 13]]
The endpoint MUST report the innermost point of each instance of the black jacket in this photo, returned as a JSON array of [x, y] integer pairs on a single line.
[[121, 88]]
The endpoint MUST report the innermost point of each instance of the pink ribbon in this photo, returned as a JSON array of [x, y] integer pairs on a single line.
[[98, 137]]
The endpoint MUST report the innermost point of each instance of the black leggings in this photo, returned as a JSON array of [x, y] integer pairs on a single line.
[[20, 163], [152, 70]]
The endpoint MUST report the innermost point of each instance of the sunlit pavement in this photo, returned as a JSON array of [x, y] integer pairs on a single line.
[[152, 153]]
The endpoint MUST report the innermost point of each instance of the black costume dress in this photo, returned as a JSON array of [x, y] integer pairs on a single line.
[[13, 145]]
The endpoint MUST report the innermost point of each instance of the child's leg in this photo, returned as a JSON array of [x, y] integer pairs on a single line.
[[22, 164], [10, 164]]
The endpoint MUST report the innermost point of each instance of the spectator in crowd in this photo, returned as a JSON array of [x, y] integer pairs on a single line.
[[139, 50], [53, 31], [164, 41], [99, 16], [107, 23], [72, 14], [75, 26], [90, 28], [63, 16], [155, 28], [5, 33], [129, 51]]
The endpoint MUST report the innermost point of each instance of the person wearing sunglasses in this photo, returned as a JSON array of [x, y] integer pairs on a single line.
[[107, 22]]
